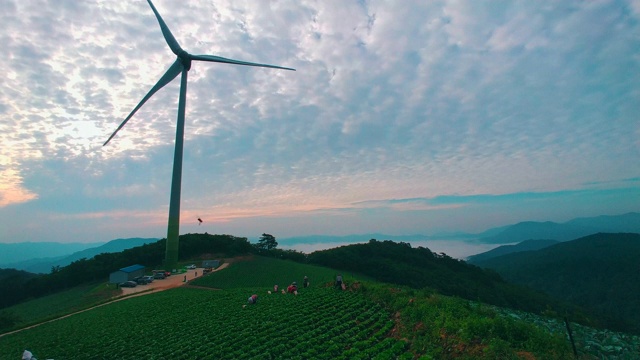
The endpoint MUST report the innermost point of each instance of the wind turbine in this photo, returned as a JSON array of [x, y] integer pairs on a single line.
[[180, 66]]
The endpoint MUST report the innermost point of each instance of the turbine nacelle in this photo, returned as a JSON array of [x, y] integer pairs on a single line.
[[185, 58]]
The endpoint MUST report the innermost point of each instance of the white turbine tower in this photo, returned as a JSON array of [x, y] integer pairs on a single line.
[[181, 65]]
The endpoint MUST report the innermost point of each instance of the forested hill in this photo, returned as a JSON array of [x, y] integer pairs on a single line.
[[11, 282], [599, 272], [399, 263]]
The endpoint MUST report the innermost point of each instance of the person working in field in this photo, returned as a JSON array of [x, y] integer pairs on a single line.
[[27, 355], [305, 282], [293, 288], [339, 282], [253, 299]]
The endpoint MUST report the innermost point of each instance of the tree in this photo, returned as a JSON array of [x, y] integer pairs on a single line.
[[267, 242]]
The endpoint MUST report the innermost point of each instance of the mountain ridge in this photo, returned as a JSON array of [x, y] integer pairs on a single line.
[[16, 252], [44, 265], [570, 230], [527, 245]]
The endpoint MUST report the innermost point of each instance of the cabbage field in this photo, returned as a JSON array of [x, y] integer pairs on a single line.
[[193, 323]]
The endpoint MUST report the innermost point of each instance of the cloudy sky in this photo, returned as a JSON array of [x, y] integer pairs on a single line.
[[403, 117]]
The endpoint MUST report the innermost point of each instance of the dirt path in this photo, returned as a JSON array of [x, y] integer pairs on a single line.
[[168, 283], [171, 282]]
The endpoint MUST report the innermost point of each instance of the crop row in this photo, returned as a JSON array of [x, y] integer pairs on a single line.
[[187, 323]]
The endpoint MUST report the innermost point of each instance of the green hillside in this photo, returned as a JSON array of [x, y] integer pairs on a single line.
[[12, 281], [368, 321], [56, 305], [399, 263], [425, 306], [598, 272], [386, 261]]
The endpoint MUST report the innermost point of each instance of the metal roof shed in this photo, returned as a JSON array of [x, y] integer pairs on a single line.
[[126, 273], [210, 263]]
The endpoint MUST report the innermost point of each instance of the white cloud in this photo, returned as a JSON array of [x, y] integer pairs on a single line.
[[11, 189], [402, 100]]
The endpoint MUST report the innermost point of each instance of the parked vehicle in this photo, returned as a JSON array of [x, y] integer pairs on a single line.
[[128, 284], [159, 275], [207, 270], [192, 266], [142, 280], [165, 272], [149, 278]]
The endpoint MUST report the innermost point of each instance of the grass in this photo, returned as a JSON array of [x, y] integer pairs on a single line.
[[59, 304]]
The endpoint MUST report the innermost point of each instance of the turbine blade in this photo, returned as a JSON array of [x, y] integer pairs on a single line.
[[172, 72], [219, 59], [168, 36]]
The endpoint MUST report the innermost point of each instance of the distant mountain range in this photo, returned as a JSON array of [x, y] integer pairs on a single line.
[[17, 252], [570, 230], [30, 255], [509, 234]]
